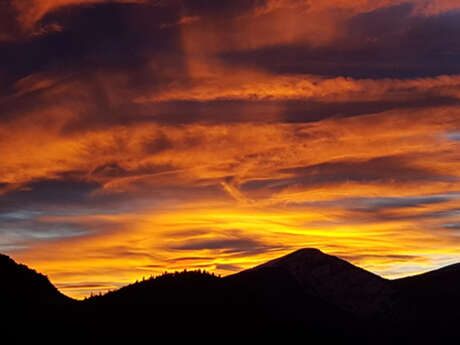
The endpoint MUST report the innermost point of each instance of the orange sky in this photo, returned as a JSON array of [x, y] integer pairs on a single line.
[[141, 136]]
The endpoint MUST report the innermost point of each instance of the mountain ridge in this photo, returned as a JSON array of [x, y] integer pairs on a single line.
[[306, 290]]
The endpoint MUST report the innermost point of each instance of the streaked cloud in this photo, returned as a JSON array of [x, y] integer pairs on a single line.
[[141, 136]]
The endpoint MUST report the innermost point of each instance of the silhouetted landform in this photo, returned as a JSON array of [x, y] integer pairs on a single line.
[[22, 285], [306, 293]]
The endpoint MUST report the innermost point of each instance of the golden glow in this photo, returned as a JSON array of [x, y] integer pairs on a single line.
[[139, 245], [178, 178], [131, 246]]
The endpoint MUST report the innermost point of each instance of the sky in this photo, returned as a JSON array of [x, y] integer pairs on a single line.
[[143, 136]]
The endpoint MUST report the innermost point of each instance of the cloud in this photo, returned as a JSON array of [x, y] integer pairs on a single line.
[[22, 229], [388, 42], [382, 203], [137, 136], [454, 136], [240, 246], [29, 13], [389, 168], [227, 267], [254, 86], [452, 226], [176, 155], [426, 7], [32, 11]]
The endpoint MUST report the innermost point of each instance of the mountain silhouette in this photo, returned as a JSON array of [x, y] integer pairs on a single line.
[[430, 301], [306, 292], [22, 285], [334, 280], [29, 302]]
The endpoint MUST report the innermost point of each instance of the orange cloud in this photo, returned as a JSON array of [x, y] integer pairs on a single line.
[[200, 152], [224, 83], [269, 186], [32, 11], [273, 22], [297, 22], [241, 227], [435, 7]]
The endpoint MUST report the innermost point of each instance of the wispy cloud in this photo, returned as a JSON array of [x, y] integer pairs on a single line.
[[141, 135]]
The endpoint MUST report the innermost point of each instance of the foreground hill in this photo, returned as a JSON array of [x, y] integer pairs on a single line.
[[23, 286], [307, 292], [431, 300]]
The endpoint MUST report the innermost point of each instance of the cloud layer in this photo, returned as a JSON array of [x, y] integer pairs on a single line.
[[138, 136]]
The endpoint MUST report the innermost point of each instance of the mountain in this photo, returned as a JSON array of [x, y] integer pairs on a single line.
[[306, 292], [334, 280], [29, 302], [24, 286]]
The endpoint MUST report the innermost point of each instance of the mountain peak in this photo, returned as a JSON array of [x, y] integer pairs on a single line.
[[333, 279], [303, 252], [307, 251], [306, 257]]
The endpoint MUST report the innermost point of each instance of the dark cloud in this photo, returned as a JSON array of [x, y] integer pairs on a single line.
[[267, 111], [388, 209], [446, 213], [158, 144], [228, 267], [396, 168], [388, 168], [372, 210], [211, 112], [234, 244], [9, 27], [84, 286], [373, 204], [89, 99], [389, 257], [109, 170], [64, 197], [105, 35], [455, 136], [221, 9], [452, 226], [127, 42], [20, 228], [229, 245], [190, 258], [311, 111], [63, 192], [385, 43], [153, 266], [387, 21], [189, 233]]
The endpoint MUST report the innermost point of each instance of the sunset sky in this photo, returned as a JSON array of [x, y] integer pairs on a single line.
[[142, 136]]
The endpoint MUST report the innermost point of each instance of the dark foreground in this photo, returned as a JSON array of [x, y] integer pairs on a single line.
[[306, 293]]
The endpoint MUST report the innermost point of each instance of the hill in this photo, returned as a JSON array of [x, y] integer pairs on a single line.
[[22, 285], [307, 292]]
